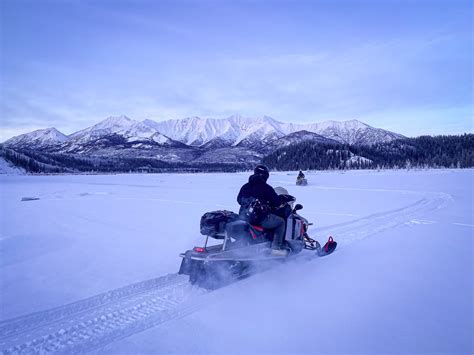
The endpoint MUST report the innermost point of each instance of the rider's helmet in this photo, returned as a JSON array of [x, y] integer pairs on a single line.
[[262, 171]]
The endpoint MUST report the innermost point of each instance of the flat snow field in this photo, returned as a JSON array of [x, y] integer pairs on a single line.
[[88, 264]]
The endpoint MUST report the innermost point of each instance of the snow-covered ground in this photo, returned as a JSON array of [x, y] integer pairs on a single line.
[[90, 265], [7, 168]]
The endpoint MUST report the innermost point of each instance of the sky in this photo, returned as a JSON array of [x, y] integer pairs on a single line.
[[405, 66]]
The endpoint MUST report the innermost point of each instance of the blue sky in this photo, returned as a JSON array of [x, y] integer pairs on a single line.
[[405, 66]]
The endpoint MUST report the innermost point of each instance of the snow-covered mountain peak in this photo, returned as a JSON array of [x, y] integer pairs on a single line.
[[120, 118], [254, 131], [352, 124], [231, 131], [251, 121], [347, 132], [51, 133], [331, 124], [114, 123], [271, 120], [41, 138], [111, 125], [131, 130]]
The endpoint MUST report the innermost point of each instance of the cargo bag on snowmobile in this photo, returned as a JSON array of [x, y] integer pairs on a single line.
[[213, 223]]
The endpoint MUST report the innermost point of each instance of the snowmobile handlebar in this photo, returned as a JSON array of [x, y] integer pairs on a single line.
[[298, 207]]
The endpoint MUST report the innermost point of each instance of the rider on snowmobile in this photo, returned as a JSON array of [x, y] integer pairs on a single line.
[[258, 189], [300, 175]]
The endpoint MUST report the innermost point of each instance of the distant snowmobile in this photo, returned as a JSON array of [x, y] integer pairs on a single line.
[[301, 179], [245, 249]]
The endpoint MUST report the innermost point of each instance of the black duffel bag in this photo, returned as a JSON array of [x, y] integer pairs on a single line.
[[213, 223]]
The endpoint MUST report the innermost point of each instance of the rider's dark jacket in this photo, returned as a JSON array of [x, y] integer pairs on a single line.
[[258, 188]]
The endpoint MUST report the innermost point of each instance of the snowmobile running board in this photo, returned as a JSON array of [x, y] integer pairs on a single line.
[[211, 259]]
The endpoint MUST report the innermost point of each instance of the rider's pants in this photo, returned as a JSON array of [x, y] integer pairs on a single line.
[[277, 224]]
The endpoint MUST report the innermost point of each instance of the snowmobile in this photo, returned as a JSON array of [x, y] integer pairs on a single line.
[[243, 249]]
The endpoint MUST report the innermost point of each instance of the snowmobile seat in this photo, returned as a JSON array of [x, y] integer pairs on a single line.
[[242, 231], [236, 229]]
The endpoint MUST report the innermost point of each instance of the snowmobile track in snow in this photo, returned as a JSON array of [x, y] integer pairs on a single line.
[[94, 322], [361, 228]]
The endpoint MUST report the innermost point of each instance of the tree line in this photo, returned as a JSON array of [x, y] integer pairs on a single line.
[[456, 151]]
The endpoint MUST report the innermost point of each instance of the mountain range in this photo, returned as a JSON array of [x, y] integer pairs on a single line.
[[121, 144], [261, 134]]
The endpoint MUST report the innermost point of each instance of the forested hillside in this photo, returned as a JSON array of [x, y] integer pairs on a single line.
[[437, 152]]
